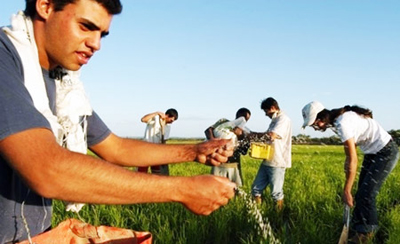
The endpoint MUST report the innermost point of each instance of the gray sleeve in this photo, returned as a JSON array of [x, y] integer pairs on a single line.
[[97, 130]]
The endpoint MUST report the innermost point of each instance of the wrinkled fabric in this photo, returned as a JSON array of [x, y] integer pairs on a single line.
[[72, 231]]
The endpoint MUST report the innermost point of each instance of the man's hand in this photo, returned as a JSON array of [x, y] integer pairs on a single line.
[[207, 193], [214, 152]]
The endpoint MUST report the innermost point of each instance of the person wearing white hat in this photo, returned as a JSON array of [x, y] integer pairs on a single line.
[[356, 127], [310, 112]]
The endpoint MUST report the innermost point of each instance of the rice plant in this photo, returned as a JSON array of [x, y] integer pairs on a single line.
[[312, 212]]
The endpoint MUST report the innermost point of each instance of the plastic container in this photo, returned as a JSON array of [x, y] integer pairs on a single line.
[[261, 151]]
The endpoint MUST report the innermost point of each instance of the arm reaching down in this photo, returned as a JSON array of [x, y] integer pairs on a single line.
[[350, 168], [128, 152], [55, 172]]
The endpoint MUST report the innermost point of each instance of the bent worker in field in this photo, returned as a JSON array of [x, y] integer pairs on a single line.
[[47, 123], [236, 131], [356, 128], [158, 127]]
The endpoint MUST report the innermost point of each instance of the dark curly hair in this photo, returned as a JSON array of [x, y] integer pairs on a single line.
[[113, 6], [172, 113], [268, 103], [242, 112]]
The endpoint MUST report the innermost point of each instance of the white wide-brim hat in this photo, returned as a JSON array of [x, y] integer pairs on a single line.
[[310, 112]]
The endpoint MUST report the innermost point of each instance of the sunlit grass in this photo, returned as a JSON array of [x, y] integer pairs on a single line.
[[312, 214]]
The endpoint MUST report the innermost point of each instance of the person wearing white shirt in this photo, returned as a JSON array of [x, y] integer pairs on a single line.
[[272, 171], [356, 127], [157, 131]]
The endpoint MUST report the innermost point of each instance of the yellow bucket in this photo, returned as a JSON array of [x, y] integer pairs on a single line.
[[261, 151]]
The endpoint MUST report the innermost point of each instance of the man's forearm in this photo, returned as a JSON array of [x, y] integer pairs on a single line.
[[100, 182], [129, 152], [54, 172]]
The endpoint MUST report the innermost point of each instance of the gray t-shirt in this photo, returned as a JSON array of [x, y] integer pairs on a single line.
[[17, 113]]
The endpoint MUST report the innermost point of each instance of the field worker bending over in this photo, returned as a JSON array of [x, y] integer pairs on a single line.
[[234, 130], [272, 171], [158, 127], [46, 124], [356, 127]]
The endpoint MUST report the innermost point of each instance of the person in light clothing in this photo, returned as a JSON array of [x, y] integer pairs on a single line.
[[356, 127], [272, 172], [158, 127], [234, 130]]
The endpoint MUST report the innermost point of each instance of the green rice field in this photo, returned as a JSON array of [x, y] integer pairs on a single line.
[[313, 211]]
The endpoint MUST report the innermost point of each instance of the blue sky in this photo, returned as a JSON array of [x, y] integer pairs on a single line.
[[209, 58]]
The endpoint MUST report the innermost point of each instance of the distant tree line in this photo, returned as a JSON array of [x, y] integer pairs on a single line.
[[333, 140], [307, 140], [396, 135]]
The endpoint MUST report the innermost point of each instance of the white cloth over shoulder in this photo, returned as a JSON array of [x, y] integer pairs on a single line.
[[155, 129]]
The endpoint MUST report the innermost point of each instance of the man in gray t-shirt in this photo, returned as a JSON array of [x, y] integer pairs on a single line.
[[19, 114], [35, 168]]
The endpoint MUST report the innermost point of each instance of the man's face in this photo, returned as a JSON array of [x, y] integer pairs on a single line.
[[270, 112], [73, 35], [247, 117], [169, 120]]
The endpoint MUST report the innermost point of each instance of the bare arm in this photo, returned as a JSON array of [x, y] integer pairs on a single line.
[[350, 168], [55, 172], [129, 152], [148, 117], [274, 136]]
